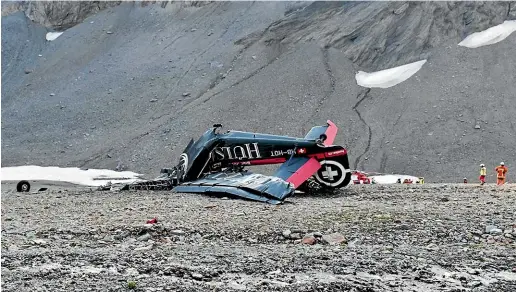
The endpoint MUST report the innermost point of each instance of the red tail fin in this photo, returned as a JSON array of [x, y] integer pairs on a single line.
[[331, 133]]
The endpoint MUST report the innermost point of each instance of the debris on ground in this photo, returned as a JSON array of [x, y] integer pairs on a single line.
[[152, 221]]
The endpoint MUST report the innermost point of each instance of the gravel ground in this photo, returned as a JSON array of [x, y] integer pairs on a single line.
[[364, 238]]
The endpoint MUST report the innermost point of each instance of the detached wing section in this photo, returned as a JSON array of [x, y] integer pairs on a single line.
[[297, 170], [330, 130], [247, 185]]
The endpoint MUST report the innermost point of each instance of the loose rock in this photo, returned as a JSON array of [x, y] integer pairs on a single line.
[[197, 276], [334, 238], [309, 239], [177, 232], [144, 237]]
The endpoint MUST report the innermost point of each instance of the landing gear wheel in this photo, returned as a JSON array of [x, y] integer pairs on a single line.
[[312, 187], [23, 186], [182, 167], [332, 174]]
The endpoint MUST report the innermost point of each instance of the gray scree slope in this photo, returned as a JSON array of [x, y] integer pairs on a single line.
[[133, 83]]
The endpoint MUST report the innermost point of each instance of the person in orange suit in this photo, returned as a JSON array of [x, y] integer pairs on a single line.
[[501, 171]]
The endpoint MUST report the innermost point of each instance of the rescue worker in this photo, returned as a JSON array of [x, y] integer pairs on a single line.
[[483, 173], [501, 171]]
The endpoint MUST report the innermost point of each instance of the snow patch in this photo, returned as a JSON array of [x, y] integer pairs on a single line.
[[52, 35], [90, 177], [392, 178], [489, 36], [388, 77]]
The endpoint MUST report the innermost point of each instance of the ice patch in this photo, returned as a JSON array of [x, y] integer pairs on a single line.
[[489, 36], [52, 35], [90, 177], [388, 77]]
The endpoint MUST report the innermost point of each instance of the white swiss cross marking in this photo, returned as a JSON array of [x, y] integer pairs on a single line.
[[302, 150], [329, 173]]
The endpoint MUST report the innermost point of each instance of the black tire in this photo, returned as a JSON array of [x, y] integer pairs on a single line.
[[23, 186]]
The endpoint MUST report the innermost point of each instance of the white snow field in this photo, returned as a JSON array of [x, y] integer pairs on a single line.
[[99, 177], [74, 175], [388, 77], [387, 178], [392, 178], [52, 35], [489, 36]]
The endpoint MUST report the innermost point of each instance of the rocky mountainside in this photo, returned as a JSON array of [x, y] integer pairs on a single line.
[[131, 83], [57, 14], [387, 34]]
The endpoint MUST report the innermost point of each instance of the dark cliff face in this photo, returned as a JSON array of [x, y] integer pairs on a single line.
[[58, 15], [61, 15]]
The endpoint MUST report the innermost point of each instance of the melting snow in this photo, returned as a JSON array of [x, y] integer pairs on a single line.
[[90, 177], [392, 178], [53, 35], [388, 77], [387, 178], [489, 36]]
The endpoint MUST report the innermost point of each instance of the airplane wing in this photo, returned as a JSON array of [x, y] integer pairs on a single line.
[[247, 185], [297, 170], [330, 130]]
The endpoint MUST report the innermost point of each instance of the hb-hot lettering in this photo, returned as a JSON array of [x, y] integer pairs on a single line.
[[247, 151]]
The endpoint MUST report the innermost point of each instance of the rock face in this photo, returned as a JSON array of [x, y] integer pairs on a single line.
[[381, 35], [131, 83], [59, 15]]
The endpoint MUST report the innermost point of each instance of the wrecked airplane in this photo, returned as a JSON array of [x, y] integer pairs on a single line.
[[215, 164]]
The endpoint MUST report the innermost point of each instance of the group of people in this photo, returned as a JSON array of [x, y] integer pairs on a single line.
[[501, 172]]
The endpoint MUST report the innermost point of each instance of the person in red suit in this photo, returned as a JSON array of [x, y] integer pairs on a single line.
[[501, 171]]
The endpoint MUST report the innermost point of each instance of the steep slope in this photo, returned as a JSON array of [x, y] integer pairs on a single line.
[[388, 34], [116, 76], [132, 84]]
